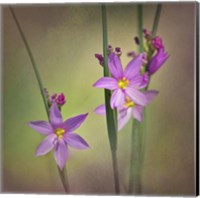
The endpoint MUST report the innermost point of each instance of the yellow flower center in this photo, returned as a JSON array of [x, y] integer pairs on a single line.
[[123, 83], [129, 103], [59, 132]]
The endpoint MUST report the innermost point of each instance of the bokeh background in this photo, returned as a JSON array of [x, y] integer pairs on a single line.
[[63, 39]]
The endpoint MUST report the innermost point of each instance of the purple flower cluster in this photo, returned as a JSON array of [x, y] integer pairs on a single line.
[[155, 51], [127, 86], [59, 99]]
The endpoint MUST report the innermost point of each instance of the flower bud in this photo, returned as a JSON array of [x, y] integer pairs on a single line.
[[61, 99], [118, 51], [46, 93], [53, 97], [132, 54], [144, 58], [147, 33], [136, 39], [100, 58], [157, 43], [109, 49]]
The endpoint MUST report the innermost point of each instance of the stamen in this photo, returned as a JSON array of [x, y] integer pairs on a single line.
[[129, 102], [59, 132], [123, 83]]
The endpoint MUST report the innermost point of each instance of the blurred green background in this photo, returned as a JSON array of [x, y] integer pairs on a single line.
[[63, 39]]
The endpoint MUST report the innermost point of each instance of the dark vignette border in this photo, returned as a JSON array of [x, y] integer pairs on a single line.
[[197, 98]]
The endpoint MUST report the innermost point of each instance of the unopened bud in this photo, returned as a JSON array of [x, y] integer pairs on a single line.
[[147, 33], [46, 93], [109, 49], [144, 58], [132, 54], [157, 43], [118, 51], [137, 40], [61, 99], [100, 58]]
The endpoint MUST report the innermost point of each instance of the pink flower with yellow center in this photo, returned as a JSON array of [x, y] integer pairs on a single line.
[[59, 135], [128, 109], [124, 83]]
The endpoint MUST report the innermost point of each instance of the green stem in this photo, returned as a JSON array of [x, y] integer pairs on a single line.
[[111, 117], [135, 170], [144, 130], [32, 60], [138, 141], [135, 177], [144, 127], [62, 176], [115, 170], [156, 19], [140, 26]]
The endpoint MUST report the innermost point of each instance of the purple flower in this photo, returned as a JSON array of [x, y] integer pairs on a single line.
[[61, 99], [100, 58], [124, 83], [128, 109], [157, 61], [59, 135], [157, 43]]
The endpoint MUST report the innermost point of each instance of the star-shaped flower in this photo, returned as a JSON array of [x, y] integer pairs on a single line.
[[59, 135], [124, 83]]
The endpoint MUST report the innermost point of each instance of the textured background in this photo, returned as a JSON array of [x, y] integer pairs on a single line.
[[63, 39]]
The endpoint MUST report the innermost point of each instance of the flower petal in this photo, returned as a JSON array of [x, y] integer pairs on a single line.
[[157, 61], [117, 98], [124, 115], [46, 145], [150, 95], [100, 110], [55, 115], [107, 83], [75, 141], [140, 81], [138, 113], [73, 123], [42, 127], [60, 153], [137, 96], [115, 66], [133, 67]]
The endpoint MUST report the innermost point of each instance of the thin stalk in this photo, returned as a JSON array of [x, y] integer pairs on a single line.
[[135, 177], [111, 117], [61, 173], [156, 19], [64, 178], [115, 170], [144, 130], [136, 140], [140, 26], [31, 59], [144, 124], [139, 140]]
